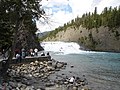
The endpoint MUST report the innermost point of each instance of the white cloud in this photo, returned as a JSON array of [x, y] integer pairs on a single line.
[[80, 6], [58, 16]]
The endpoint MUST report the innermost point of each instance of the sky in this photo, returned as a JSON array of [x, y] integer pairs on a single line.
[[59, 12]]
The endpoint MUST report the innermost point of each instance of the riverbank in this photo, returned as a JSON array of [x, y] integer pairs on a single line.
[[37, 76]]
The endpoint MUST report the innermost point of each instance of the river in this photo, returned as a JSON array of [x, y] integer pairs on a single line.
[[102, 69]]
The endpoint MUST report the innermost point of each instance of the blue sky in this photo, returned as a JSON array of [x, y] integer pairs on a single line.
[[63, 11], [62, 7]]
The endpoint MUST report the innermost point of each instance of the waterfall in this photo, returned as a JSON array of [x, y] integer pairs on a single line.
[[64, 48]]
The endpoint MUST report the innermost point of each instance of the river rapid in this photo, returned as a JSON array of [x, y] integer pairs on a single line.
[[102, 69]]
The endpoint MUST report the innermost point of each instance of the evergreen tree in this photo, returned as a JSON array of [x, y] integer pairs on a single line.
[[14, 15]]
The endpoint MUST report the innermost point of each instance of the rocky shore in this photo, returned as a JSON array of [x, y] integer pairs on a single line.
[[36, 76]]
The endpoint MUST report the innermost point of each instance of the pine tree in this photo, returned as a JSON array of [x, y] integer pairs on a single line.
[[13, 13]]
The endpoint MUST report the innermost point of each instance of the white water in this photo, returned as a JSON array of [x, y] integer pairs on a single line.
[[63, 48]]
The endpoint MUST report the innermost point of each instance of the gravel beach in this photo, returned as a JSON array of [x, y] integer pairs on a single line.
[[39, 75]]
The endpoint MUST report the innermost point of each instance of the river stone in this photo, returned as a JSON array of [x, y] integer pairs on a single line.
[[53, 72], [25, 81], [84, 89], [65, 63], [63, 67], [12, 72], [45, 76], [13, 84], [39, 89], [82, 83], [36, 74], [9, 88], [42, 75], [54, 64], [57, 69], [71, 66], [19, 85], [0, 87], [25, 71], [36, 62], [18, 70], [49, 73], [18, 79], [45, 64], [49, 84], [29, 88], [65, 82], [41, 63], [49, 63], [41, 67], [23, 86], [59, 65], [29, 75], [77, 85], [32, 68], [42, 88], [32, 63], [75, 88], [17, 88], [50, 68]]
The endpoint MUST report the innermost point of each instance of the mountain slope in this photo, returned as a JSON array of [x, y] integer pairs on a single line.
[[92, 31], [104, 40]]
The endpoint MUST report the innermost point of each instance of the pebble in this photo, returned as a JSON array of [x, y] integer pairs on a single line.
[[71, 66]]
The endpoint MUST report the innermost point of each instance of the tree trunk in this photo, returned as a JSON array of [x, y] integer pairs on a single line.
[[12, 48]]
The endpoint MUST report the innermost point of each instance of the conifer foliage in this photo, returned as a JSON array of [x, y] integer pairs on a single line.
[[16, 15]]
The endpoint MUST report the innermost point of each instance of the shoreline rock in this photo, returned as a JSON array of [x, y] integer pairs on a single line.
[[34, 76]]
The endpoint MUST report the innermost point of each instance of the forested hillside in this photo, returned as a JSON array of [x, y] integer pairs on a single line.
[[93, 31]]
